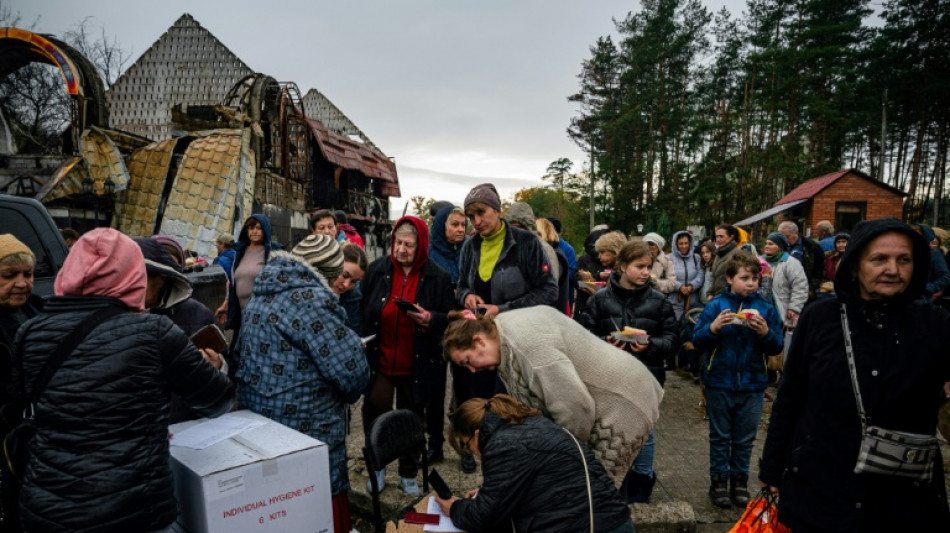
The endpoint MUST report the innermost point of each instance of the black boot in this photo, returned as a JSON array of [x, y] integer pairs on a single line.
[[739, 490], [719, 491], [637, 488], [468, 463]]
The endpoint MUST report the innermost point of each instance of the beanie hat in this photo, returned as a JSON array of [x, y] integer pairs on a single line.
[[521, 213], [340, 216], [165, 240], [842, 237], [485, 194], [438, 206], [612, 241], [655, 238], [323, 253], [779, 240], [104, 262], [10, 245]]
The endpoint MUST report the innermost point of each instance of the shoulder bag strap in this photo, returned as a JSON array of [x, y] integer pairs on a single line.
[[851, 367], [66, 347], [590, 495]]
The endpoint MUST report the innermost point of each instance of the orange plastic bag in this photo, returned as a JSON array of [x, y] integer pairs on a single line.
[[760, 516]]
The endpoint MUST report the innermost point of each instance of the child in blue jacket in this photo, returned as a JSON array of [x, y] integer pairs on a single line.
[[735, 375]]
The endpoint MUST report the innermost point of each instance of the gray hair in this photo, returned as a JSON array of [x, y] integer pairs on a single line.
[[406, 228], [788, 225], [19, 258]]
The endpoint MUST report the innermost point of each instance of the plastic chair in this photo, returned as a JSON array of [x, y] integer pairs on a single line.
[[392, 435]]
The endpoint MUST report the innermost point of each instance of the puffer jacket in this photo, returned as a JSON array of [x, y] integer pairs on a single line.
[[100, 461], [533, 474], [522, 276], [789, 287], [689, 271], [723, 255], [645, 308], [738, 354], [296, 322]]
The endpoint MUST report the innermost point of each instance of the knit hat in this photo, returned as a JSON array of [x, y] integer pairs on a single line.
[[323, 253], [485, 194], [10, 245], [612, 241], [340, 216], [522, 214], [842, 237], [556, 222], [104, 262], [655, 238], [779, 240], [165, 240]]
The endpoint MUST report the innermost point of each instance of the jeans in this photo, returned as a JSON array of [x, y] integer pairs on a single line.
[[733, 424], [643, 464]]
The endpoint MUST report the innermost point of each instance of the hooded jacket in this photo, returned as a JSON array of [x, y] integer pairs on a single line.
[[663, 273], [100, 461], [533, 474], [737, 355], [402, 347], [815, 432], [589, 262], [522, 275], [441, 251], [723, 255], [240, 248], [300, 364], [687, 270], [939, 277]]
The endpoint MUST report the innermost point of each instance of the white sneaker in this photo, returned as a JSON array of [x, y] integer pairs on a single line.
[[380, 481], [410, 486]]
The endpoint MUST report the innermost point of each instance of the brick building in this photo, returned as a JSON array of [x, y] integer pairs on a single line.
[[845, 197]]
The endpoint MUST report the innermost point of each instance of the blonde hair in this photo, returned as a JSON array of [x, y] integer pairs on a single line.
[[610, 242], [547, 232], [469, 416]]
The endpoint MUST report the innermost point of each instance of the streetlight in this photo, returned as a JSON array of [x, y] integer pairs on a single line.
[[88, 190], [639, 229]]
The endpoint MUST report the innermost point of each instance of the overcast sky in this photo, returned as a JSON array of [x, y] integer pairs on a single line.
[[458, 92]]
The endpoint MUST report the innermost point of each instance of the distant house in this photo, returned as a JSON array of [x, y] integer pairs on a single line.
[[845, 197]]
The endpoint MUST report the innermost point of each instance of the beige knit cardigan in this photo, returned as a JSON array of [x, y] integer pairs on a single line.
[[601, 394]]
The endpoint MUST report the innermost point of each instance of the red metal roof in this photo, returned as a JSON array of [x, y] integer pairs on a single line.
[[352, 155], [808, 190]]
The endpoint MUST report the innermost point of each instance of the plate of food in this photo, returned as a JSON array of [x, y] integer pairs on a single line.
[[629, 334], [595, 285], [743, 316]]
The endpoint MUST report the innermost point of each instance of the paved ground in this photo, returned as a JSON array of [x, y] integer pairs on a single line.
[[679, 503]]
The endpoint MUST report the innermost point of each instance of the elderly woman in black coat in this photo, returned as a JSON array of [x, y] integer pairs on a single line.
[[902, 368], [534, 474]]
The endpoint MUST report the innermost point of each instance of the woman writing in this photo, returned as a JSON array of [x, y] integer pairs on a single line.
[[549, 362], [901, 368], [535, 473]]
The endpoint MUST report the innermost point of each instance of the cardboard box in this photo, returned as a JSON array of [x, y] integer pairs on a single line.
[[270, 478]]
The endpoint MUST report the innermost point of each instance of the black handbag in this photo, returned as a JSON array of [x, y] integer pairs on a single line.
[[16, 442]]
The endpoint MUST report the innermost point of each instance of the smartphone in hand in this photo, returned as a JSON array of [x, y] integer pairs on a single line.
[[405, 305], [439, 485]]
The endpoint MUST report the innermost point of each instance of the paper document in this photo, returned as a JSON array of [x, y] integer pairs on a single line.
[[445, 523], [205, 434]]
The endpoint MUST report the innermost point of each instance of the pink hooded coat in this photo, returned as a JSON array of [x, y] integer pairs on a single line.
[[104, 262]]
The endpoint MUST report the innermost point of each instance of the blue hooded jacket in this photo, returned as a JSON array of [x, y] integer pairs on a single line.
[[240, 247], [737, 360], [939, 277], [441, 251]]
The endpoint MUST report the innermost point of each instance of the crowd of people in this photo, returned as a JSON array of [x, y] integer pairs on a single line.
[[556, 362]]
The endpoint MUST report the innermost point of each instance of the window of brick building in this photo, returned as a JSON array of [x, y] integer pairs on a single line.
[[847, 214]]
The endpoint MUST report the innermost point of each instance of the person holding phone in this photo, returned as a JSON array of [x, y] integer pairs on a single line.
[[406, 299]]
